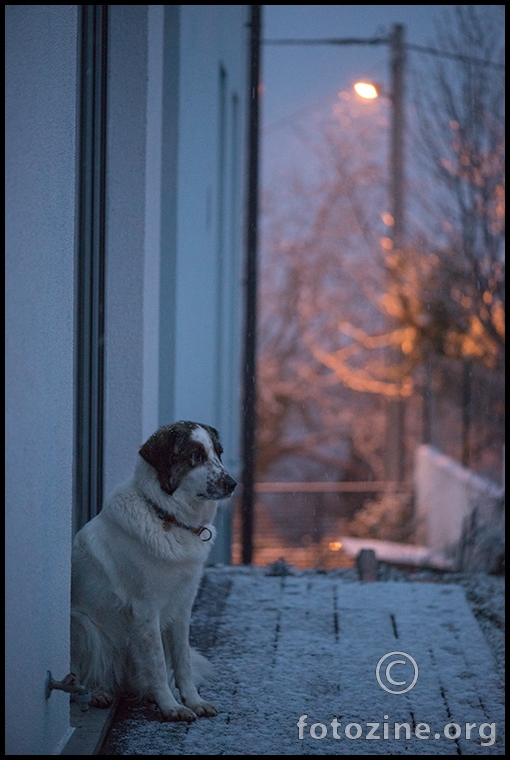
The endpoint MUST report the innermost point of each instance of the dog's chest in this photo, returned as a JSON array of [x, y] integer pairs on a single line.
[[170, 585]]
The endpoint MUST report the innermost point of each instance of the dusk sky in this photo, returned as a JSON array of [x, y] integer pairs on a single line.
[[296, 78]]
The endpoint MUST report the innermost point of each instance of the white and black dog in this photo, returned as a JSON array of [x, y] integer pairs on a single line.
[[136, 568]]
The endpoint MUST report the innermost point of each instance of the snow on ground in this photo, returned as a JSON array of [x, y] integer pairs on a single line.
[[307, 644], [397, 552]]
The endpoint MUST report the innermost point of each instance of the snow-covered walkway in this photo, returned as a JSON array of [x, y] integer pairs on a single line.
[[308, 645]]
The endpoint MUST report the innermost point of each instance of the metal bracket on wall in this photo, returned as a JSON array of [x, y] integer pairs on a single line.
[[71, 685]]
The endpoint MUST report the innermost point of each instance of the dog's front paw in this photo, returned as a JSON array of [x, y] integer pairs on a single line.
[[179, 713], [204, 710]]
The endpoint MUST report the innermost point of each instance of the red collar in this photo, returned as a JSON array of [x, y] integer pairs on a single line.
[[168, 520]]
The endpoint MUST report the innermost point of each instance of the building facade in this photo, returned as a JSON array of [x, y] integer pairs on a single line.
[[125, 184]]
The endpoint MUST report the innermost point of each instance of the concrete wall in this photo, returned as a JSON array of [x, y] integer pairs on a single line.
[[202, 227], [177, 83], [40, 214], [176, 162], [177, 133], [125, 240], [210, 219], [446, 494]]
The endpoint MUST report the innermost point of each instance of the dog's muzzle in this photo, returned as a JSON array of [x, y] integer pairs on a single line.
[[221, 487]]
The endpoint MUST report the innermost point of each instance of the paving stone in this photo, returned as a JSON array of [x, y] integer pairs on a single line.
[[308, 645]]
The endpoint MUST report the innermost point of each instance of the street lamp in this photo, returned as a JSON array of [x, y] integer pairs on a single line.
[[366, 90]]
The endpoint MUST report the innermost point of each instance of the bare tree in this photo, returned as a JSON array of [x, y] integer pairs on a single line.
[[315, 241], [461, 119], [331, 280]]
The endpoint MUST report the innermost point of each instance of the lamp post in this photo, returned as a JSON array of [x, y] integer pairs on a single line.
[[395, 418]]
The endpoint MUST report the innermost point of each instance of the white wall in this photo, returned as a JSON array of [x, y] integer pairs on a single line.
[[209, 292], [125, 241], [446, 494], [210, 219], [40, 209], [152, 242], [174, 252], [174, 272]]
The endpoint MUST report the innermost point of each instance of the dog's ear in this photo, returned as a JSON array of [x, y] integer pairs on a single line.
[[215, 438], [159, 452]]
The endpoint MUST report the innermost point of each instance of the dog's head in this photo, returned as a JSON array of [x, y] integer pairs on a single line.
[[188, 454]]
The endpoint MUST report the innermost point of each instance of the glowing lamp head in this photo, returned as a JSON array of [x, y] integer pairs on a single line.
[[366, 90]]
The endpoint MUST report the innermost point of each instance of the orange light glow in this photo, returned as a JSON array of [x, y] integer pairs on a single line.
[[366, 90], [335, 546]]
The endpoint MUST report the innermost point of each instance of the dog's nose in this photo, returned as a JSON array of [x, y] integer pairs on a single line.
[[228, 483]]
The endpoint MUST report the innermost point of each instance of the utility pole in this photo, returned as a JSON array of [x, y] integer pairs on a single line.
[[395, 420]]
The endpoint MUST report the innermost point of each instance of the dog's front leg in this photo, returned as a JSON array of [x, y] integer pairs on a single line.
[[181, 664], [150, 663]]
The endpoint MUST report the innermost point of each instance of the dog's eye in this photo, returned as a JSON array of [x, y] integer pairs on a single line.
[[198, 457]]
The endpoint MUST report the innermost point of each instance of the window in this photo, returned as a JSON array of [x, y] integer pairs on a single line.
[[90, 252]]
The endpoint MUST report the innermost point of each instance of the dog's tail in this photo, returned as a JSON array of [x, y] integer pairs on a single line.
[[93, 656]]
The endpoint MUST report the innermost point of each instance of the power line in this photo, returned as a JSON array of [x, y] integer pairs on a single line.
[[455, 56], [282, 122], [385, 41], [330, 41]]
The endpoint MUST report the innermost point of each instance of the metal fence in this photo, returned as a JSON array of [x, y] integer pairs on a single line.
[[303, 521]]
